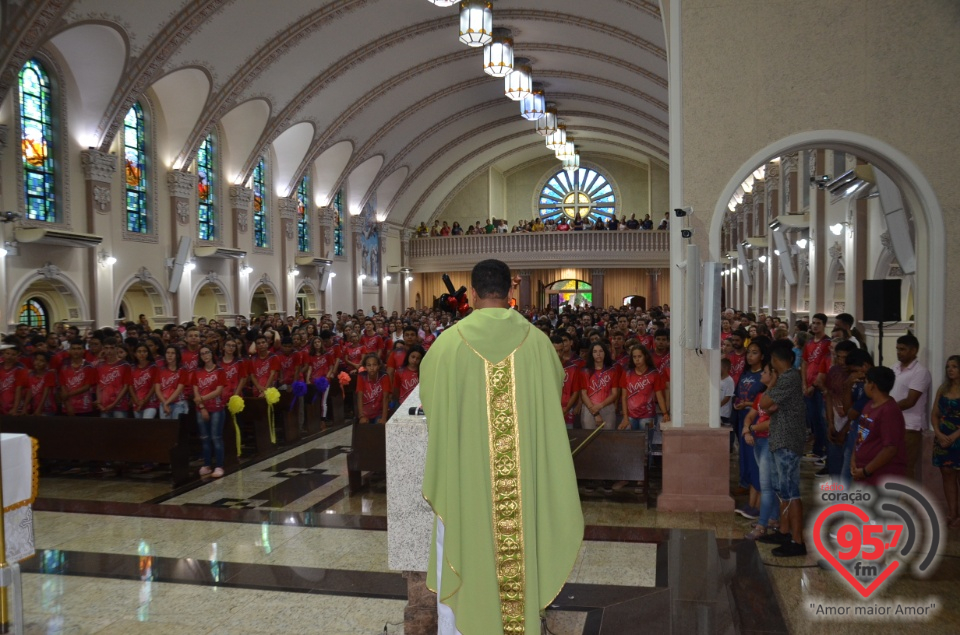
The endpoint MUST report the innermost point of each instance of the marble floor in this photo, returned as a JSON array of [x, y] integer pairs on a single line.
[[281, 546]]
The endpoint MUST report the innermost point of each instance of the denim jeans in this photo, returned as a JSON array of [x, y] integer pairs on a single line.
[[749, 472], [787, 463], [212, 430], [114, 414], [769, 507], [640, 424], [177, 408], [845, 478], [817, 422], [146, 413]]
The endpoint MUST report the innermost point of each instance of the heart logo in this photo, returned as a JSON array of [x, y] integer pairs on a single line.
[[831, 557]]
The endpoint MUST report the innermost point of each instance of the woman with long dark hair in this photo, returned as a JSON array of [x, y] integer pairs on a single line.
[[600, 389]]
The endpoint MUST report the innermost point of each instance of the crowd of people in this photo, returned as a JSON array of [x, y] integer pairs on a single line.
[[562, 223], [788, 394]]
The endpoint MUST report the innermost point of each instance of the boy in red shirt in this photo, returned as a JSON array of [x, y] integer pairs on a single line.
[[77, 381], [264, 368], [11, 380], [113, 383], [881, 445], [40, 386]]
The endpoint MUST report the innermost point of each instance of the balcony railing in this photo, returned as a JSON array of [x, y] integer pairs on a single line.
[[630, 248]]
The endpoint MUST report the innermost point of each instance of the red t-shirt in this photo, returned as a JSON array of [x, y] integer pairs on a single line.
[[168, 380], [571, 379], [371, 394], [662, 362], [141, 384], [233, 372], [371, 343], [9, 380], [600, 383], [762, 415], [189, 360], [407, 380], [738, 362], [260, 369], [353, 354], [646, 341], [36, 384], [428, 340], [396, 359], [111, 379], [641, 391], [881, 427], [814, 353], [320, 365], [205, 382], [288, 368], [72, 378]]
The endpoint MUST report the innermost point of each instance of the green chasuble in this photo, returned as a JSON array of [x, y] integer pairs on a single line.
[[499, 472]]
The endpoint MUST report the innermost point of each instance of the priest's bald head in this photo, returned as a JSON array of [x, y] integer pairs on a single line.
[[490, 282]]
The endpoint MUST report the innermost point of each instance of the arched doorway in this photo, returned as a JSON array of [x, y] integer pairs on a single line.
[[571, 292], [53, 293], [35, 314], [142, 295], [307, 301], [264, 298], [210, 299]]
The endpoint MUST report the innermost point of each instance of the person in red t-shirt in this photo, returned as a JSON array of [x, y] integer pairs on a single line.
[[77, 381], [641, 392], [599, 389], [40, 385], [11, 380], [113, 383], [407, 377], [373, 391], [322, 361], [572, 364], [208, 381], [881, 449], [190, 354], [235, 370], [143, 376], [815, 351], [370, 340], [757, 434], [264, 368], [171, 381], [738, 354], [288, 361], [411, 338]]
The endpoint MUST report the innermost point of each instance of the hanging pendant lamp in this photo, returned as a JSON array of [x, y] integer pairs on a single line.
[[556, 140], [498, 54], [572, 164], [534, 105], [476, 22], [443, 3], [567, 151], [547, 124], [519, 82]]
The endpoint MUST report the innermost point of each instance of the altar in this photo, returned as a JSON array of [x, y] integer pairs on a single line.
[[17, 456]]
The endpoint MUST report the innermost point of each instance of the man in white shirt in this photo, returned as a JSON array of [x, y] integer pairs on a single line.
[[912, 393]]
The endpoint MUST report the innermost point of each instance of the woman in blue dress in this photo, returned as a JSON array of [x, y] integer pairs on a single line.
[[946, 426]]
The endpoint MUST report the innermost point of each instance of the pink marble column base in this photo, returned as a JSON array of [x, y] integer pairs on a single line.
[[696, 470]]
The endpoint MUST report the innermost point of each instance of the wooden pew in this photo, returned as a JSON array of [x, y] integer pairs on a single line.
[[254, 418], [116, 440], [613, 455], [368, 452]]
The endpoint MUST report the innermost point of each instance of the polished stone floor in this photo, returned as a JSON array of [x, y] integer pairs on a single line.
[[280, 546]]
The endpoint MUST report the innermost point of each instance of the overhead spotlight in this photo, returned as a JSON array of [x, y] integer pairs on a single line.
[[409, 278], [686, 233], [776, 252], [498, 54], [802, 243], [762, 259], [9, 217], [821, 181], [333, 274], [683, 211], [443, 3]]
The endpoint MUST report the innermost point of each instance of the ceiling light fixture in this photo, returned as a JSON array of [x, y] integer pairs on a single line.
[[443, 3], [547, 124], [567, 150], [476, 22], [556, 140], [534, 105], [498, 54], [519, 82], [572, 164]]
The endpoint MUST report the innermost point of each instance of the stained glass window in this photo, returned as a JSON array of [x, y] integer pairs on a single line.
[[260, 237], [303, 218], [338, 227], [573, 292], [36, 142], [206, 203], [585, 191], [134, 169], [33, 313]]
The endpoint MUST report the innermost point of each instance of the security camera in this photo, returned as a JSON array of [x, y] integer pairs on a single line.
[[9, 217], [686, 233], [683, 211], [821, 181]]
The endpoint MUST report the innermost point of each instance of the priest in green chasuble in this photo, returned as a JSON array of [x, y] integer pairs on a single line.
[[499, 472]]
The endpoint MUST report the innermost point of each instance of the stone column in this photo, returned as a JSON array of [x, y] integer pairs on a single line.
[[760, 231], [406, 235], [181, 186], [356, 228], [771, 185], [653, 291], [328, 221], [746, 232], [4, 318], [240, 200], [821, 298], [596, 281], [288, 208], [99, 169], [524, 291]]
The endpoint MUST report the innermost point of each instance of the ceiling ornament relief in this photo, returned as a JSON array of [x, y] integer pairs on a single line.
[[22, 31]]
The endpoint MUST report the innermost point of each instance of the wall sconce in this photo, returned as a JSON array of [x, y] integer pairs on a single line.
[[293, 271], [762, 259], [105, 259], [333, 274], [409, 278], [838, 228], [362, 277], [802, 243], [387, 278], [189, 265], [245, 269]]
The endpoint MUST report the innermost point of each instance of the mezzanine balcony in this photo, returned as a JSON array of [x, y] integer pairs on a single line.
[[629, 248]]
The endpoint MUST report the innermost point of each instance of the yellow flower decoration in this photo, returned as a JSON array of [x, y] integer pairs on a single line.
[[272, 395]]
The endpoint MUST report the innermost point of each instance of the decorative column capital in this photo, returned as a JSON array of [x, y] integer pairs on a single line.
[[181, 184], [327, 216], [241, 197], [406, 235], [356, 224], [597, 272], [789, 163], [772, 174], [288, 208], [759, 189], [524, 273], [97, 165]]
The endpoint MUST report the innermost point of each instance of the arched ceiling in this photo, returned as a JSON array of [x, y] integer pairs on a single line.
[[373, 92]]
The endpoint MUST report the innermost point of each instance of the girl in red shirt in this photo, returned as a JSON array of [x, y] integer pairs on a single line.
[[321, 362], [208, 383], [756, 433], [407, 377], [373, 391], [143, 376], [642, 391], [171, 380], [235, 370], [40, 385], [600, 389]]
